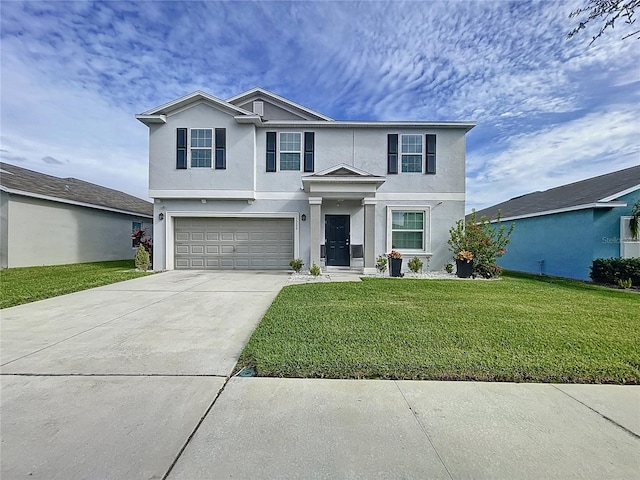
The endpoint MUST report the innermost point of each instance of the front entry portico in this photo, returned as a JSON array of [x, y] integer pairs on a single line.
[[338, 184]]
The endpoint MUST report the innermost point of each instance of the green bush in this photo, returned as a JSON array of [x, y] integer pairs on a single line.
[[415, 264], [296, 264], [381, 263], [612, 270], [142, 260], [314, 270]]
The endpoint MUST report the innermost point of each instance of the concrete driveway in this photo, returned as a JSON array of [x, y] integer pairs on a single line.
[[110, 383], [130, 381]]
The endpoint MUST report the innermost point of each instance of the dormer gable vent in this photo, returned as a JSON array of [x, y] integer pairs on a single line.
[[258, 107]]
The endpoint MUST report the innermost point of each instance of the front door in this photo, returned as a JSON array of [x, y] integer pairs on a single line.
[[336, 229]]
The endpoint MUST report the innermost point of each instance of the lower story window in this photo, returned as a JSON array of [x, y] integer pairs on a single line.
[[407, 230]]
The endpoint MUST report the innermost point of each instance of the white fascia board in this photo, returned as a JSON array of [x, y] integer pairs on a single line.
[[197, 94], [206, 194], [563, 210], [338, 167], [261, 91], [149, 119], [254, 119], [421, 196], [73, 202], [620, 194], [345, 179], [348, 124]]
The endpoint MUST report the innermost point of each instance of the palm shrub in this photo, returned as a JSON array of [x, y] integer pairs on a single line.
[[634, 223], [486, 242]]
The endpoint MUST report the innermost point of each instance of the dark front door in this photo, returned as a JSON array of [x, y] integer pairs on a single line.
[[336, 229]]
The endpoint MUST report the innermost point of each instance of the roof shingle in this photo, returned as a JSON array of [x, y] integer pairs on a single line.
[[71, 189]]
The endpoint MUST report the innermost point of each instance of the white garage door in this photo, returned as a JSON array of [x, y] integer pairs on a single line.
[[233, 243]]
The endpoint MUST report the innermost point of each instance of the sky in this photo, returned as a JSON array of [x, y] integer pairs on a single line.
[[549, 110]]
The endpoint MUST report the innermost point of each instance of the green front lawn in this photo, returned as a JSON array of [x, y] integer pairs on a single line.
[[520, 328], [24, 285]]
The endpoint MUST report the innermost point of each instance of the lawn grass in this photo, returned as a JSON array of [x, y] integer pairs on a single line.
[[28, 284], [519, 328]]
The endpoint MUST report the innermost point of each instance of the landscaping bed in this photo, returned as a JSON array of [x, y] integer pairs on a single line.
[[522, 328], [28, 284]]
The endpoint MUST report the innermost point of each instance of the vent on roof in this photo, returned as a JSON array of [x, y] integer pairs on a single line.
[[258, 107]]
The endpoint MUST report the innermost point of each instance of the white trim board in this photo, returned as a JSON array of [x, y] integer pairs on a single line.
[[562, 210]]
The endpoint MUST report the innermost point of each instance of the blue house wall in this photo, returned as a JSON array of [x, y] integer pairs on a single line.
[[565, 244]]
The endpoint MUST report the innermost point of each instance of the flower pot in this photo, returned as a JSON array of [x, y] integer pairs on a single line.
[[395, 265], [464, 268]]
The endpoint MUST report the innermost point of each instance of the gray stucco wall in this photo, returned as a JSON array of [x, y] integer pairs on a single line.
[[4, 228], [42, 232]]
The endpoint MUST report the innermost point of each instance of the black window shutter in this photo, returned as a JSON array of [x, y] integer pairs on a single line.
[[431, 154], [392, 153], [221, 148], [271, 151], [309, 138], [181, 149]]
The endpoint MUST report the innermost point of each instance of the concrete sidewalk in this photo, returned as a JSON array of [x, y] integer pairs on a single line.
[[131, 381]]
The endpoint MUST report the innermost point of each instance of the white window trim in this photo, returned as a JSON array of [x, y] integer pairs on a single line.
[[212, 149], [422, 153], [426, 234], [299, 152]]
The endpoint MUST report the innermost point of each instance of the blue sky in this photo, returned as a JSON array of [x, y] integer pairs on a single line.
[[549, 110]]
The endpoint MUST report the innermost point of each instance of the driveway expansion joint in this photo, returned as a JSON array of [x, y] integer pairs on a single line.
[[630, 432], [423, 428]]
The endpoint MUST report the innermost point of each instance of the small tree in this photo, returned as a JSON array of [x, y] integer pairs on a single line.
[[415, 264], [142, 259], [139, 237], [314, 270], [485, 242], [381, 264]]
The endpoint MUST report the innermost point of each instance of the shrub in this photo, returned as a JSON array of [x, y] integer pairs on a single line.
[[139, 237], [612, 270], [634, 223], [448, 268], [381, 263], [296, 264], [625, 283], [142, 260], [314, 270], [415, 264], [481, 241]]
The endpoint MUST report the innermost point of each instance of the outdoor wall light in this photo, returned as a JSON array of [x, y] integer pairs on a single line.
[[303, 217], [161, 216]]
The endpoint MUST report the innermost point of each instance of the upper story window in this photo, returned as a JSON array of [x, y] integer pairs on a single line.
[[290, 150], [291, 147], [412, 153], [195, 147], [201, 147]]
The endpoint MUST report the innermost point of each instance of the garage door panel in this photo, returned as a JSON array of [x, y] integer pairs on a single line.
[[233, 243]]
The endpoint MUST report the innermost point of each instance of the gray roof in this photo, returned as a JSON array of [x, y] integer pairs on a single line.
[[19, 179], [585, 192]]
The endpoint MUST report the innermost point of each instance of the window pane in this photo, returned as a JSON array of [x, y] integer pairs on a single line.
[[290, 142], [289, 161], [407, 221], [411, 143], [201, 158], [412, 163], [409, 240], [201, 137]]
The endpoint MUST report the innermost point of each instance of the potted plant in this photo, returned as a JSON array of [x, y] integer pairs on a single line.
[[464, 263], [395, 263]]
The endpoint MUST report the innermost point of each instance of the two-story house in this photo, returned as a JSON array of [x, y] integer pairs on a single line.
[[258, 180]]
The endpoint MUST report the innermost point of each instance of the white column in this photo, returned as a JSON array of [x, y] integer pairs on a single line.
[[315, 215], [369, 236]]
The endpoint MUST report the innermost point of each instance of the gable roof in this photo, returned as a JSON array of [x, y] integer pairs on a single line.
[[596, 192], [20, 181], [258, 93], [159, 114]]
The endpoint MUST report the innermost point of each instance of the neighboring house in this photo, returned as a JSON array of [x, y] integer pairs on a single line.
[[560, 231], [48, 220], [257, 180]]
